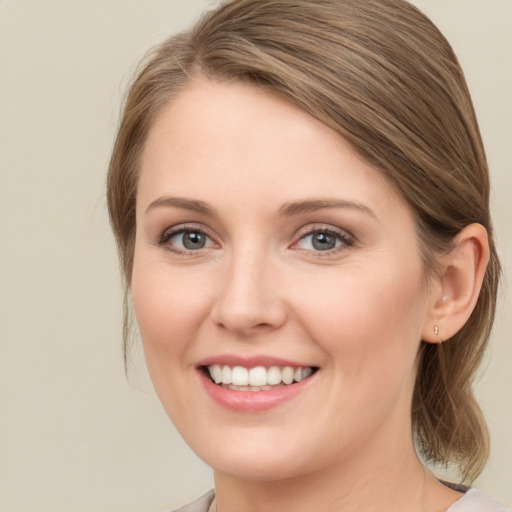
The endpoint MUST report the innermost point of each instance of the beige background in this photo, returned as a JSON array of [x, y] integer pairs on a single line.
[[74, 435]]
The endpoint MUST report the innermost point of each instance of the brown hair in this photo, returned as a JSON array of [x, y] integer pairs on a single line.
[[380, 74]]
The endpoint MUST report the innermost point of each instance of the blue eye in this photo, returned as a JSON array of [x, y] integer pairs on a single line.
[[322, 240], [186, 239]]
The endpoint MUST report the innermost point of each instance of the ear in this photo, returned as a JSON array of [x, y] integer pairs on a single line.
[[455, 291]]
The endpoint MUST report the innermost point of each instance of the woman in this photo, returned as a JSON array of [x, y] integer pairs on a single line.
[[300, 198]]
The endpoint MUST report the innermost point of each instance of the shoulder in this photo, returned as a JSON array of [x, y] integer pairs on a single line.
[[477, 501], [200, 505]]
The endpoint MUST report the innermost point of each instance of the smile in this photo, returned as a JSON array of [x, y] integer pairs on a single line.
[[259, 378], [253, 385]]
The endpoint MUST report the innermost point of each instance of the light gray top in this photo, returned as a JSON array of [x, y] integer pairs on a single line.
[[476, 501], [473, 500], [201, 505]]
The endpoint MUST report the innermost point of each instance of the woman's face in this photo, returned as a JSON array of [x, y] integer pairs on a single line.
[[264, 243]]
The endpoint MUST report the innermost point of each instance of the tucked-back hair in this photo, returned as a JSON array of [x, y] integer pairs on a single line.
[[380, 74]]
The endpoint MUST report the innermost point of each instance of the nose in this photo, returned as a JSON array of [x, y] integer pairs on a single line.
[[248, 302]]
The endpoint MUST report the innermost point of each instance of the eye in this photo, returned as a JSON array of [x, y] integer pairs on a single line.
[[323, 240], [186, 240]]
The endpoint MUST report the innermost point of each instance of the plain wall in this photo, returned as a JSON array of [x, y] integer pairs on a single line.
[[74, 434]]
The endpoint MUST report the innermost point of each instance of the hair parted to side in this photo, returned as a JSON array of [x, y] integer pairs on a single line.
[[380, 74]]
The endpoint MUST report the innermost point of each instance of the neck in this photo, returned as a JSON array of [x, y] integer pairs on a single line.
[[395, 480]]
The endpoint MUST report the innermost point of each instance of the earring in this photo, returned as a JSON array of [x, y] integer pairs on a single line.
[[436, 330]]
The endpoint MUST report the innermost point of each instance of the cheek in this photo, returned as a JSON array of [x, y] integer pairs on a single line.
[[170, 310], [367, 320], [169, 306]]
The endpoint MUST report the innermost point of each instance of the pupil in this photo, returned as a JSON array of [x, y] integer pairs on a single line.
[[193, 240], [323, 241]]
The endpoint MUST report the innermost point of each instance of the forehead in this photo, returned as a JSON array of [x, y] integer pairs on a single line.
[[231, 119], [234, 141]]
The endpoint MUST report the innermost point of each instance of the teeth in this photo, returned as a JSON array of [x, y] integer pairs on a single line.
[[273, 375], [216, 373], [287, 374], [240, 376], [227, 377], [306, 372], [258, 378]]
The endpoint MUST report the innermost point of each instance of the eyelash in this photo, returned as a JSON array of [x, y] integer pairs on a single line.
[[346, 240], [166, 236]]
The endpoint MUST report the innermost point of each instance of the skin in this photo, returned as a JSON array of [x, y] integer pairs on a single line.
[[259, 287]]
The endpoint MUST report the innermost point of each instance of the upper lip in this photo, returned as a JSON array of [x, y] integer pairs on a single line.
[[250, 361]]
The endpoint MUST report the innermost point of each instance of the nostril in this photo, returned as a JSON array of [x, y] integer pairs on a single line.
[[261, 325], [244, 326]]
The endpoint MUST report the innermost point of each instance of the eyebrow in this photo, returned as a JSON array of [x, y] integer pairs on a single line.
[[299, 207], [287, 210], [183, 203]]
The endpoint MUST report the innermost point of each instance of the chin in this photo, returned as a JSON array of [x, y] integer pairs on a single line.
[[256, 467], [256, 456]]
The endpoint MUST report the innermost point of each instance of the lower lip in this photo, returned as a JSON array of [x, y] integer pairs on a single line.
[[252, 401]]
